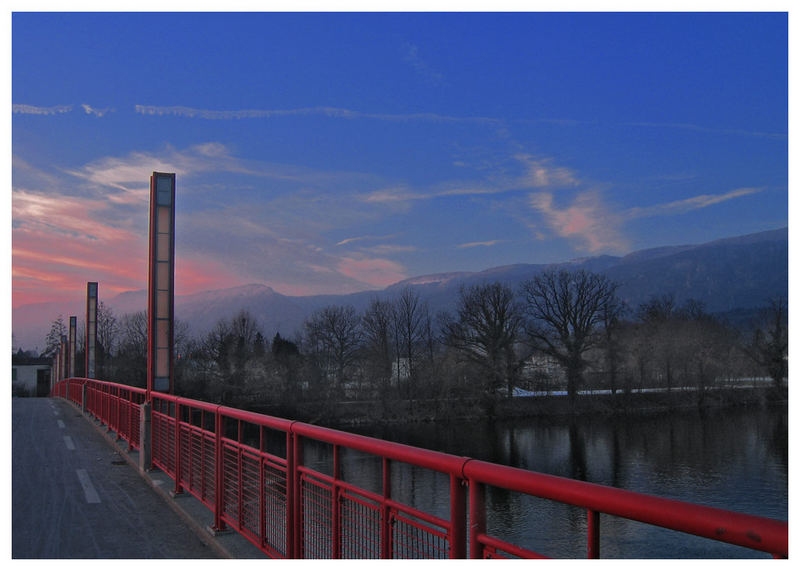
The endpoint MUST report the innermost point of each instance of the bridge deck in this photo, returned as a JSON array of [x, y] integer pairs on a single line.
[[75, 495]]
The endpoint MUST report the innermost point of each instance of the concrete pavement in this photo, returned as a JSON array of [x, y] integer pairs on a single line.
[[77, 494]]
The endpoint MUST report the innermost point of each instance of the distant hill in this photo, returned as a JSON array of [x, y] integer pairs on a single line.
[[733, 277]]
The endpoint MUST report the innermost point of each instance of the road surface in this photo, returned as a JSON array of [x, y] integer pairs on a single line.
[[74, 496]]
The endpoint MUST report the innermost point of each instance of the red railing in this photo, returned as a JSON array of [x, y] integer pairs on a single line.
[[302, 491]]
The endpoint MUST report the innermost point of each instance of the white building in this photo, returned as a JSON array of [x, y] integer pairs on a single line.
[[30, 376]]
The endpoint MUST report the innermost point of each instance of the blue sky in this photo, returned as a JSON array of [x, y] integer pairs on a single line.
[[330, 153]]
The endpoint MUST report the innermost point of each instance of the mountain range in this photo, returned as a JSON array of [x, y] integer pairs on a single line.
[[732, 277]]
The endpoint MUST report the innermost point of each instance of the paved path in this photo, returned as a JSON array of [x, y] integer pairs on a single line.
[[74, 496]]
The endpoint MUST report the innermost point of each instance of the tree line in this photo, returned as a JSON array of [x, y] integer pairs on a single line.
[[561, 330]]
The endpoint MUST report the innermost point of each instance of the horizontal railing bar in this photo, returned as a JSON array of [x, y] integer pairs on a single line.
[[437, 461], [722, 525], [509, 548]]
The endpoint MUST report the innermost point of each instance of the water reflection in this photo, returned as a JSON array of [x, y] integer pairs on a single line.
[[735, 459]]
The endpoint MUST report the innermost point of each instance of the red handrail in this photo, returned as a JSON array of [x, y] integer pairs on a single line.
[[290, 509]]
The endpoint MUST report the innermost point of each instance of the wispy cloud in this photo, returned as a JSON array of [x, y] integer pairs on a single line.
[[599, 226], [412, 57], [397, 195], [387, 249], [481, 244], [23, 109], [713, 130], [330, 112], [95, 111], [129, 174], [368, 238], [688, 204], [542, 173]]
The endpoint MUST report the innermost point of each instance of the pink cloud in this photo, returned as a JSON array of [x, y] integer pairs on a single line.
[[376, 272], [60, 242], [587, 219], [193, 275]]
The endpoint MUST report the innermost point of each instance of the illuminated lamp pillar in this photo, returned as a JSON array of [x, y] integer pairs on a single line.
[[91, 328], [57, 365], [73, 329], [160, 283], [62, 361]]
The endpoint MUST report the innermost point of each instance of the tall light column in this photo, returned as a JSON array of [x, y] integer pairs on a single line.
[[62, 361], [73, 329], [91, 328], [160, 287]]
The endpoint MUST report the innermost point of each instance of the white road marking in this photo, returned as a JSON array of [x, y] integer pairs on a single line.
[[88, 488], [61, 424], [70, 444]]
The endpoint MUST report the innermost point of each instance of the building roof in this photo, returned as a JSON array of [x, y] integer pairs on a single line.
[[22, 361]]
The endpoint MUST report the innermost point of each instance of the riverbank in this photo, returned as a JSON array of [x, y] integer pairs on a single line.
[[354, 413]]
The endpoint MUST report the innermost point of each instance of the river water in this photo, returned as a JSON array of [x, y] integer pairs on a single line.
[[734, 458]]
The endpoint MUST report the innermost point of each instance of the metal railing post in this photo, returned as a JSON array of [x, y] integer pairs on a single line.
[[386, 514], [477, 518], [145, 438], [458, 514], [593, 533], [298, 498], [219, 489], [291, 471], [178, 464], [336, 532]]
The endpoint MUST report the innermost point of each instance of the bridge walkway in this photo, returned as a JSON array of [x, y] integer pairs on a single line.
[[77, 494]]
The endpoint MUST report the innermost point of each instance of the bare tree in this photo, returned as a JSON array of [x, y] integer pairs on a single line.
[[769, 343], [107, 328], [334, 334], [131, 359], [376, 327], [485, 331], [565, 310], [53, 339], [244, 329], [611, 314], [662, 323], [408, 325], [107, 340]]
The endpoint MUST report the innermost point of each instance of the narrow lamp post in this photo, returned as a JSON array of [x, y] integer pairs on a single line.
[[160, 286], [91, 328], [73, 328]]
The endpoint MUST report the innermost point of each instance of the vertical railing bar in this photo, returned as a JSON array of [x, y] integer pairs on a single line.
[[178, 463], [336, 548], [291, 471], [386, 524], [130, 422], [262, 496], [298, 500], [593, 532], [240, 480], [219, 424], [477, 517], [458, 514]]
